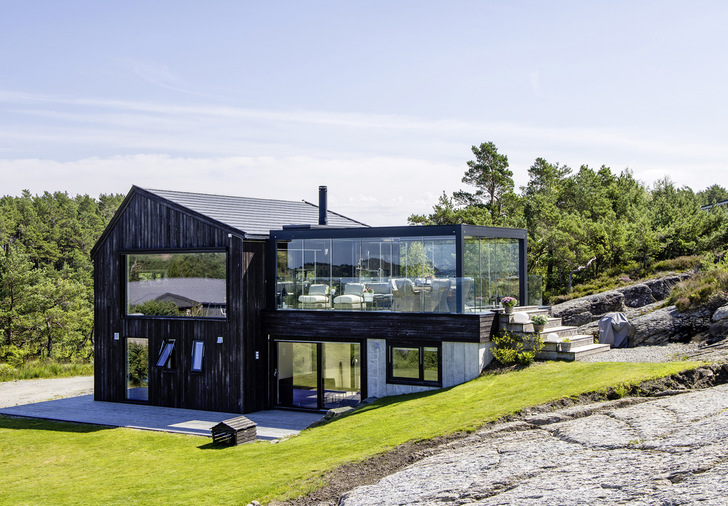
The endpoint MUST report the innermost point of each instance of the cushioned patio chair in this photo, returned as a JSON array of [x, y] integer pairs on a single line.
[[406, 298], [352, 298], [436, 301], [317, 298]]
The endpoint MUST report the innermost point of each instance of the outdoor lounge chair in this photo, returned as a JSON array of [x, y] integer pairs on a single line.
[[352, 298], [317, 298], [436, 301], [406, 298]]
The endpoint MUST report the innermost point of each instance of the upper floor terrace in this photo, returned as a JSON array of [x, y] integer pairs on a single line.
[[429, 269]]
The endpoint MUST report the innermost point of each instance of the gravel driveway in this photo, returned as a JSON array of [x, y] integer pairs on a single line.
[[15, 393]]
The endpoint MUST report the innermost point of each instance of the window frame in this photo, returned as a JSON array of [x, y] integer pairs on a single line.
[[170, 362], [420, 380], [195, 344]]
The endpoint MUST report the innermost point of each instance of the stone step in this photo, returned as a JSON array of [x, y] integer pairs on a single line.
[[553, 323], [577, 341], [578, 353]]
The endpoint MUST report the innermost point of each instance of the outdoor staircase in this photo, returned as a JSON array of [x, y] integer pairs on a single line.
[[581, 345]]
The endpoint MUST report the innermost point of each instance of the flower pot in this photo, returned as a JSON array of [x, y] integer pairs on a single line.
[[539, 328], [565, 346], [508, 309]]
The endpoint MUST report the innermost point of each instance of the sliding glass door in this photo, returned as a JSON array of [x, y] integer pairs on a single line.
[[318, 375]]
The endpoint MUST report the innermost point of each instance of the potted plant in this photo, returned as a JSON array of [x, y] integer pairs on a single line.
[[508, 304], [566, 344], [539, 322], [368, 294]]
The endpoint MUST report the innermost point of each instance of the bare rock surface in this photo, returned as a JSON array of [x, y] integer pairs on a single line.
[[588, 309], [637, 295], [670, 450], [584, 310]]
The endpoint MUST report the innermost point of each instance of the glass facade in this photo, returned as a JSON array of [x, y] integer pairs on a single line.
[[406, 273], [492, 267]]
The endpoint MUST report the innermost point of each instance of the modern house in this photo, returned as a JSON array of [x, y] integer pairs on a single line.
[[238, 304]]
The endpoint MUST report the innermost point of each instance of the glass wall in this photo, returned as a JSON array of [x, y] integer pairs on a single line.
[[491, 267], [176, 284], [406, 274], [381, 274]]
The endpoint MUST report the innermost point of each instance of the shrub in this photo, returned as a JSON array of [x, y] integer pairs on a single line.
[[510, 348], [155, 307]]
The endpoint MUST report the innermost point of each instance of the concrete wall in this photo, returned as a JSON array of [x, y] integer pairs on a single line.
[[461, 362]]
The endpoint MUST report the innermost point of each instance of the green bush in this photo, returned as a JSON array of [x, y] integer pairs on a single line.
[[510, 348], [156, 308]]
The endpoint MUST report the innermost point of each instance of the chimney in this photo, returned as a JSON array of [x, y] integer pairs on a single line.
[[323, 207]]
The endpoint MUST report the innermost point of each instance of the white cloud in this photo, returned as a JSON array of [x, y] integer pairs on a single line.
[[379, 168]]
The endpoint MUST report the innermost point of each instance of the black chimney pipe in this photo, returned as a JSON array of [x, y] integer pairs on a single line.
[[323, 206]]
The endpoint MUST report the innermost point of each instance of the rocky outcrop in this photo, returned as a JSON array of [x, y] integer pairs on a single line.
[[669, 450], [719, 324], [588, 309], [637, 295], [661, 287], [668, 325]]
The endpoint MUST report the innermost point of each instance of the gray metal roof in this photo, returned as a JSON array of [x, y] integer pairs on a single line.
[[255, 217]]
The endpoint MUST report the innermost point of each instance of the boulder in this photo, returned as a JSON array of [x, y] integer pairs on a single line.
[[637, 295], [588, 309], [719, 324]]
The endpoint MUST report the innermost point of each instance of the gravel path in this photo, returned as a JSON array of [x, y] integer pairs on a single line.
[[664, 353], [15, 393]]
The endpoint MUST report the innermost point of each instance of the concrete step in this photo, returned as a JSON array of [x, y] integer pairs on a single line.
[[577, 341], [578, 353], [553, 323]]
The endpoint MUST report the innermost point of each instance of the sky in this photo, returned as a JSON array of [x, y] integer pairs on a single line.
[[381, 101]]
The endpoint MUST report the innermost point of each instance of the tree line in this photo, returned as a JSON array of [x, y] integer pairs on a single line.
[[586, 223], [46, 274]]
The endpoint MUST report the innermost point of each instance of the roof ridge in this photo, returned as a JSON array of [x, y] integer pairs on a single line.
[[154, 190]]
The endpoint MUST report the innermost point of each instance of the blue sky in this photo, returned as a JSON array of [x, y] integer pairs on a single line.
[[379, 100]]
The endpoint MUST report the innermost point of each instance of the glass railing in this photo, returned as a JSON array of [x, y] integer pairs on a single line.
[[411, 295]]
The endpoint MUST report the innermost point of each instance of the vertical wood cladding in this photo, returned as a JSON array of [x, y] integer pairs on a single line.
[[231, 379]]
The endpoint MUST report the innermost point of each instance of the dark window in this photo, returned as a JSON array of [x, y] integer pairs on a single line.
[[166, 355], [198, 351], [413, 363]]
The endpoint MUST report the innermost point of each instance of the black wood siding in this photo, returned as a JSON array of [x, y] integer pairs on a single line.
[[474, 328], [232, 379]]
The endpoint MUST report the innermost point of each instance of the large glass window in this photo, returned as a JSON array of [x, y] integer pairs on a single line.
[[413, 364], [176, 284]]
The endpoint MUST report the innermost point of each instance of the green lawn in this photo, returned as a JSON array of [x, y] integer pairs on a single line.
[[45, 462]]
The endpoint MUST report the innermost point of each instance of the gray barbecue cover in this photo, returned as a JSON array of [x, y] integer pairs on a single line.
[[614, 329]]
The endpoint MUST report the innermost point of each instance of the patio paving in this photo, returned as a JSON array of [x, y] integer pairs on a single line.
[[272, 424]]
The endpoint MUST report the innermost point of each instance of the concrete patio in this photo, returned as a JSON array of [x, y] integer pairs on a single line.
[[272, 424]]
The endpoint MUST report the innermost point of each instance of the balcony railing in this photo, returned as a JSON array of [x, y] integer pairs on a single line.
[[413, 295]]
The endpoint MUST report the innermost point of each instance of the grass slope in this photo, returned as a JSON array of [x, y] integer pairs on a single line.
[[43, 462]]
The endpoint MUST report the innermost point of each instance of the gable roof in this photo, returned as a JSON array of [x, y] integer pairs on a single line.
[[253, 216]]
